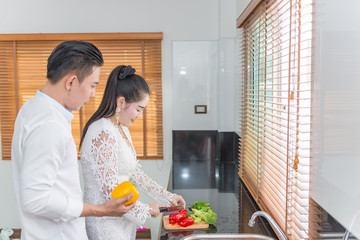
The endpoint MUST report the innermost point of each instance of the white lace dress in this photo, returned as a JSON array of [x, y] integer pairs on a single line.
[[108, 160]]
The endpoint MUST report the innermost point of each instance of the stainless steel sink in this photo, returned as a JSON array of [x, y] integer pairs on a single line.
[[227, 236]]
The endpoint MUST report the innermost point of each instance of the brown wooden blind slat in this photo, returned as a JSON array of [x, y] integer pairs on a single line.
[[276, 78], [29, 57], [8, 109]]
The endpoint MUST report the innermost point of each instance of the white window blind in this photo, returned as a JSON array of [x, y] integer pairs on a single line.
[[275, 40]]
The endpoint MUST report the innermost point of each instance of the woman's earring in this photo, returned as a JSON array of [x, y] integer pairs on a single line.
[[118, 110]]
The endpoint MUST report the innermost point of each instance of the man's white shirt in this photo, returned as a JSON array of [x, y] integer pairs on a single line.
[[45, 172]]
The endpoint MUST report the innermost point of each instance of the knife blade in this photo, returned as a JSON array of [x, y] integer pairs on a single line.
[[170, 209]]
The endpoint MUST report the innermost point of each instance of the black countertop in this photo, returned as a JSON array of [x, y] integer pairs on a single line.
[[205, 169], [219, 185]]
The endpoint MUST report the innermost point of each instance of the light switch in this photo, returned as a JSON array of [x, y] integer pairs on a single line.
[[200, 109]]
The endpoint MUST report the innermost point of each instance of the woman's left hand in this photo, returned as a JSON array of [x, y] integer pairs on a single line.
[[178, 200]]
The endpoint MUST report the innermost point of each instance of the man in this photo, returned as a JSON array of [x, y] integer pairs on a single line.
[[44, 154]]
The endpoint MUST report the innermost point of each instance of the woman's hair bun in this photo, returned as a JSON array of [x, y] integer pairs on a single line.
[[126, 71]]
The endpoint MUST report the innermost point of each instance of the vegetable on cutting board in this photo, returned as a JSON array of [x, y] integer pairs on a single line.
[[196, 219], [176, 217], [203, 211], [124, 189], [185, 222], [181, 218]]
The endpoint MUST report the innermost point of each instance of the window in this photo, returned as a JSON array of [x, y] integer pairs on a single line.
[[23, 61], [275, 39]]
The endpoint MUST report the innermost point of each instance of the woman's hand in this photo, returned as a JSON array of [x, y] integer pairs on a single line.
[[154, 209], [178, 200]]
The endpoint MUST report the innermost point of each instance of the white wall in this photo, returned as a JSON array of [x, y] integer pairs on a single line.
[[226, 85], [204, 74], [240, 6], [336, 112], [185, 20], [194, 83], [226, 81]]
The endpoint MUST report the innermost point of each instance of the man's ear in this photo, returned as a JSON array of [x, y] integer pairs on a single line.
[[70, 81]]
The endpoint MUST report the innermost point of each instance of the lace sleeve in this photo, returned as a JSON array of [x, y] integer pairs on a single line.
[[104, 166], [105, 169], [154, 190], [138, 214]]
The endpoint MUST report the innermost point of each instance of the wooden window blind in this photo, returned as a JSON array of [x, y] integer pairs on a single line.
[[23, 63], [275, 40]]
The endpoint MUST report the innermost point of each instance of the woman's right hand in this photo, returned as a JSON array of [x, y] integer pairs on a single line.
[[154, 209]]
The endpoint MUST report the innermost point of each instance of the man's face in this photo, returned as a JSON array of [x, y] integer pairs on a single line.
[[81, 92]]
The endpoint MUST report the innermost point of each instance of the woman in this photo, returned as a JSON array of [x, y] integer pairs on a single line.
[[109, 158]]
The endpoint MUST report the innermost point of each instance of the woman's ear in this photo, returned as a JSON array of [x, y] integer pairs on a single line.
[[120, 102]]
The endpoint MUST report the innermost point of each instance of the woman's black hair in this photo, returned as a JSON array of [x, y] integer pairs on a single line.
[[78, 57], [122, 82]]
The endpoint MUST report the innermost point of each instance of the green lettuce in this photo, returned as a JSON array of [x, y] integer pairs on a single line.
[[196, 219], [203, 210], [200, 205]]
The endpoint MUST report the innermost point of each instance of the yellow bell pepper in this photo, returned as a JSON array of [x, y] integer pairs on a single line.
[[124, 189]]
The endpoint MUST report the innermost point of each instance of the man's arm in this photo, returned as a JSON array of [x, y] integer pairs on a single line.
[[113, 207], [41, 160], [39, 170]]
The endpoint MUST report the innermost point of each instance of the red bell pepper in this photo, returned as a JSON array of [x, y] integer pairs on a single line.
[[182, 211], [186, 222], [176, 217]]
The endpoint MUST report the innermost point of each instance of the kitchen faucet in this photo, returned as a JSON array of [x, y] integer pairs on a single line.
[[270, 220], [346, 235]]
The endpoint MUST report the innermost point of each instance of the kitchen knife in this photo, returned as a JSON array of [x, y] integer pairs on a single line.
[[170, 209]]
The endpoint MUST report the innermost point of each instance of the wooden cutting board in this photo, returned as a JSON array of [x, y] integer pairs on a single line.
[[168, 226]]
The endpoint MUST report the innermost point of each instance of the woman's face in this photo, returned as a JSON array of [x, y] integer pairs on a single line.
[[132, 111]]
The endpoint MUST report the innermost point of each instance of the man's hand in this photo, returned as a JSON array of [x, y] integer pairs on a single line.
[[114, 207]]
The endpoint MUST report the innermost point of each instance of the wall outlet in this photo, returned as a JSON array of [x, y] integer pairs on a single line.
[[200, 109]]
